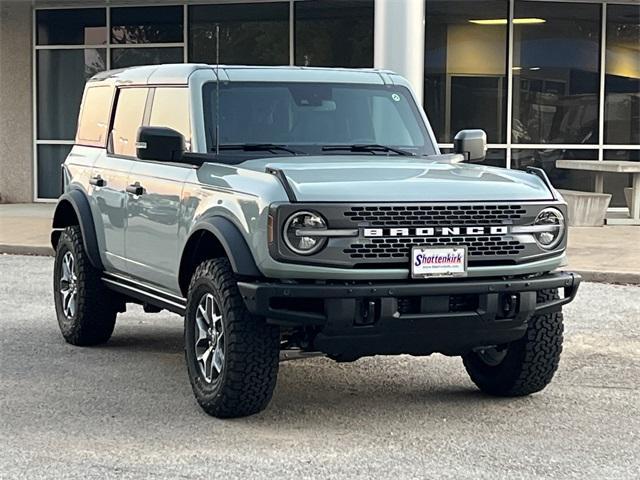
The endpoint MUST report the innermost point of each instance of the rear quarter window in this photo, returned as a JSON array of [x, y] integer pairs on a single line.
[[93, 123]]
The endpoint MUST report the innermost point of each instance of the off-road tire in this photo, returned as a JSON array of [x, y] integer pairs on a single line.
[[251, 347], [530, 362], [96, 306]]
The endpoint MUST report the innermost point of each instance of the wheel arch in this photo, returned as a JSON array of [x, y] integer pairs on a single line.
[[73, 209], [213, 237]]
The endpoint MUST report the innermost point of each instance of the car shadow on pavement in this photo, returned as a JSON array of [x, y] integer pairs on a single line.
[[401, 387], [158, 339]]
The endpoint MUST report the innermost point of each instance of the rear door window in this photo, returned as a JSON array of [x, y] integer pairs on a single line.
[[129, 115]]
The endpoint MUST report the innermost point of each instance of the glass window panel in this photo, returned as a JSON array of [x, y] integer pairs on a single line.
[[77, 26], [171, 109], [50, 157], [622, 81], [147, 24], [250, 33], [334, 33], [131, 57], [61, 78], [465, 67], [128, 118], [560, 178], [94, 119], [555, 72], [615, 183], [309, 116]]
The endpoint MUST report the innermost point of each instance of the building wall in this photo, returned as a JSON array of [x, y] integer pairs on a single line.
[[16, 121], [533, 91]]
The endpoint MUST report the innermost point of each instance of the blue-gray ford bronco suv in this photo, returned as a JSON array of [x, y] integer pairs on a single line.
[[286, 212]]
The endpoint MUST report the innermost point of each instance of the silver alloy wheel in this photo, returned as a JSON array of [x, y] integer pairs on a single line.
[[492, 356], [209, 338], [68, 285]]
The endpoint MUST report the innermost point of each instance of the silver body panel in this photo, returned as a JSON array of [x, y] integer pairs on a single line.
[[144, 236]]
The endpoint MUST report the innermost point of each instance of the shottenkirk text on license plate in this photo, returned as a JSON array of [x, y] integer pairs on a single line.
[[438, 262]]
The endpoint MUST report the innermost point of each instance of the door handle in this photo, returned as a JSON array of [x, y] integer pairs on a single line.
[[135, 188], [98, 181]]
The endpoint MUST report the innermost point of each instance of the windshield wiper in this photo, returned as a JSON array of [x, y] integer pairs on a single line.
[[367, 148], [260, 147]]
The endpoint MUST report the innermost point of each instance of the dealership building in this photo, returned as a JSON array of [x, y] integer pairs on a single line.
[[546, 80]]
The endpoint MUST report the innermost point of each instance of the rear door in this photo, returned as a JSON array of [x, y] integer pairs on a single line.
[[153, 223], [111, 171]]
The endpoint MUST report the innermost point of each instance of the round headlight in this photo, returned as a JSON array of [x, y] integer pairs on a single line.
[[552, 222], [298, 232]]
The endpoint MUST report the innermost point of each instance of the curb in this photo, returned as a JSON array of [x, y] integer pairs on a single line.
[[619, 278], [38, 250]]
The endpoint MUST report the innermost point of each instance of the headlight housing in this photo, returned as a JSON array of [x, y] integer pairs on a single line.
[[549, 228], [298, 232]]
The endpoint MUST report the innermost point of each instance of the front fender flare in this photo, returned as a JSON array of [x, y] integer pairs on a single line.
[[80, 204], [233, 243]]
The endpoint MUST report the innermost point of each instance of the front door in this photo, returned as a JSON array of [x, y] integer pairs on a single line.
[[152, 229], [154, 211]]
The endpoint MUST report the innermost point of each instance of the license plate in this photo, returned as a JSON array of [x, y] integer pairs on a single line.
[[428, 262]]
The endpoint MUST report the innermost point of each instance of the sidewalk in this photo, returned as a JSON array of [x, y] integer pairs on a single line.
[[609, 254]]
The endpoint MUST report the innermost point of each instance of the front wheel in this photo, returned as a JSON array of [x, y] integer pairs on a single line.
[[525, 366], [232, 356]]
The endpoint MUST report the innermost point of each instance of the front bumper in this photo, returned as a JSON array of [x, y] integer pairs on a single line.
[[415, 317]]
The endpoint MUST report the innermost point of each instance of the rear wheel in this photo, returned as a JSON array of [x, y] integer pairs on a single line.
[[85, 308], [232, 356], [525, 366]]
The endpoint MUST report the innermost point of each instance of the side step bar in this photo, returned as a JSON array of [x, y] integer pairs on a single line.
[[145, 293]]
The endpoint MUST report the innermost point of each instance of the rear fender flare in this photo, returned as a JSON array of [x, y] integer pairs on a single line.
[[80, 204]]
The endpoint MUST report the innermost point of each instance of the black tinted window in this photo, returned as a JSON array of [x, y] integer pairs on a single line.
[[61, 77], [556, 77], [334, 33], [146, 24], [465, 71], [622, 97], [250, 33], [76, 26]]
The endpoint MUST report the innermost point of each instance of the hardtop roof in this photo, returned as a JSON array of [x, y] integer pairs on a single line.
[[179, 73]]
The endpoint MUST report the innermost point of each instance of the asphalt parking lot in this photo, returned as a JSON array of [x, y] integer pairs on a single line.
[[125, 409]]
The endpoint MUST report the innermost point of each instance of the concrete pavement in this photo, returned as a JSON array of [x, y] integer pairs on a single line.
[[25, 228], [609, 254], [126, 410]]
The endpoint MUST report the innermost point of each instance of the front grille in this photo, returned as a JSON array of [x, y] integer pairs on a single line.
[[434, 215], [425, 225], [399, 248]]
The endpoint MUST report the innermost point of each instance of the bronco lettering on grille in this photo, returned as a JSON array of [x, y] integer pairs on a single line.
[[433, 231]]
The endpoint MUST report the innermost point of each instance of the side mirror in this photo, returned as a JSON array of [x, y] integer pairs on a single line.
[[159, 143], [472, 144]]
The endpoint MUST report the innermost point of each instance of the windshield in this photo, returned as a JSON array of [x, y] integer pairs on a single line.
[[307, 117]]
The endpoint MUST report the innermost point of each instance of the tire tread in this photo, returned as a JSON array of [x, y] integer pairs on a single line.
[[95, 310], [252, 349], [533, 362]]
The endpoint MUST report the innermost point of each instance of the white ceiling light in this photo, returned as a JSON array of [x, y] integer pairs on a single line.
[[504, 21]]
